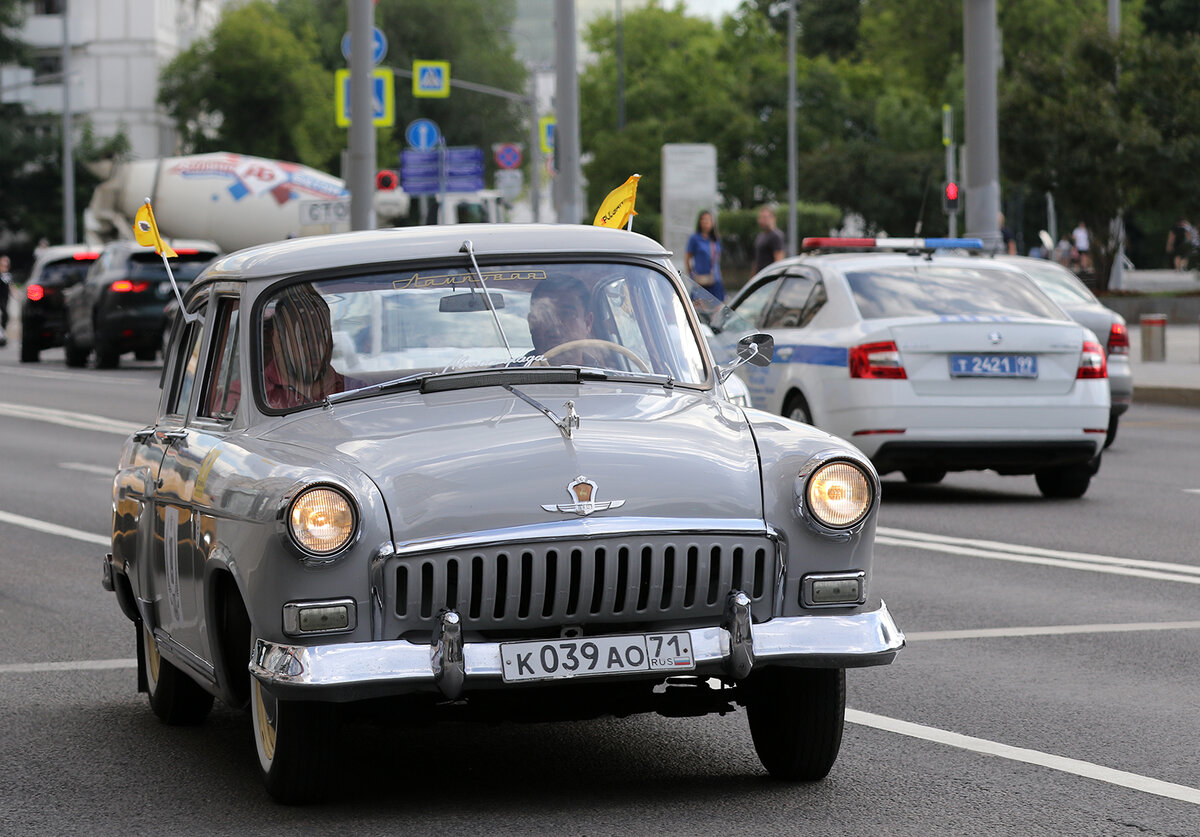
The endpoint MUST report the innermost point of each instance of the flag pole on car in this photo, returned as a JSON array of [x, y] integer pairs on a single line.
[[145, 231]]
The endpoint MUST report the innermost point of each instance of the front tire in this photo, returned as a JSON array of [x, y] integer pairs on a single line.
[[174, 697], [1066, 482], [294, 740], [796, 717]]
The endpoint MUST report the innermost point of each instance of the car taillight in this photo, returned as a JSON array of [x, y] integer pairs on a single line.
[[876, 360], [34, 293], [1118, 339], [124, 286], [1091, 361]]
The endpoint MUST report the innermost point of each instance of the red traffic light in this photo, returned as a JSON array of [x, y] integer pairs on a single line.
[[386, 180], [949, 197], [951, 191]]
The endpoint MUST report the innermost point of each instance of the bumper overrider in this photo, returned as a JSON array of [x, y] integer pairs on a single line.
[[734, 648]]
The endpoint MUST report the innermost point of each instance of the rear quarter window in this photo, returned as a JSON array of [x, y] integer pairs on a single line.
[[932, 290]]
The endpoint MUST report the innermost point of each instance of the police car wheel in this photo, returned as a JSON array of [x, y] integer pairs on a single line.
[[797, 409]]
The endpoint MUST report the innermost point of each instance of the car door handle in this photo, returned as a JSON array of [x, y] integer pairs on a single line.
[[143, 435], [170, 435]]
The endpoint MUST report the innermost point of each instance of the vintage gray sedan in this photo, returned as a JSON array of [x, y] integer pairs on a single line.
[[484, 471]]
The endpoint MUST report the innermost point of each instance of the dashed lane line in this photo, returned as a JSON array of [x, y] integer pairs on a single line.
[[1050, 630], [1076, 767], [54, 529], [996, 550]]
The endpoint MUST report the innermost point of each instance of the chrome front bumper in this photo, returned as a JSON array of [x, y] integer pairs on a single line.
[[357, 670]]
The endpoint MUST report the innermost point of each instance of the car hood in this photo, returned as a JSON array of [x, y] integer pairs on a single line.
[[472, 460]]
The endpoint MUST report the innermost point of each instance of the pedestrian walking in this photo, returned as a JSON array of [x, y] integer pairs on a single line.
[[5, 289], [703, 258], [1082, 245], [768, 246]]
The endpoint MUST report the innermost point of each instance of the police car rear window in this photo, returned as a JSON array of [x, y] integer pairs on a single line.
[[932, 290]]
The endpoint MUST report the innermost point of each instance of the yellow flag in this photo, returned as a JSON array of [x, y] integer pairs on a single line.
[[617, 208], [145, 230]]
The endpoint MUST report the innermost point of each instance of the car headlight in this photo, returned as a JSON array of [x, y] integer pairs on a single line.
[[322, 520], [838, 494]]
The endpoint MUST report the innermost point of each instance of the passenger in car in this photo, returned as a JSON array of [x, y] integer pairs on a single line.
[[297, 350]]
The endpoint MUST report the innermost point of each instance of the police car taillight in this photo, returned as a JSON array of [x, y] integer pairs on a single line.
[[876, 360], [1118, 339], [1091, 361]]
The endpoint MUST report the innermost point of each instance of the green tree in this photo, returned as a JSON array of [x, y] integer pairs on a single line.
[[253, 86]]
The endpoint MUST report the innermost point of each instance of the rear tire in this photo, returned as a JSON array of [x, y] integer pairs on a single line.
[[107, 354], [797, 409], [174, 697], [796, 717], [294, 740], [76, 356], [30, 350], [1113, 419], [1066, 482]]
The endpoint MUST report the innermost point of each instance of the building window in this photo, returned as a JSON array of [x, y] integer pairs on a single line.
[[48, 7], [47, 69]]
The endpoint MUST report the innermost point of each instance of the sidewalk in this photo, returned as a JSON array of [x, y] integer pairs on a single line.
[[1175, 380]]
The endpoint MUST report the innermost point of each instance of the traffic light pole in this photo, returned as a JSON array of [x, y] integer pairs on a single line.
[[983, 140], [951, 165]]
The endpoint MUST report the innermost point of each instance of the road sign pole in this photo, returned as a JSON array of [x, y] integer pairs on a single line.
[[362, 125]]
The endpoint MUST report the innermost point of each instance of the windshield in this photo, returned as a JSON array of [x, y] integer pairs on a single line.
[[324, 337], [938, 290]]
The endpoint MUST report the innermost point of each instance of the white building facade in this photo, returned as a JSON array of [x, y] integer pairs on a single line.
[[117, 49]]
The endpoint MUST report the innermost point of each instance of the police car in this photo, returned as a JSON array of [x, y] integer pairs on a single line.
[[930, 361]]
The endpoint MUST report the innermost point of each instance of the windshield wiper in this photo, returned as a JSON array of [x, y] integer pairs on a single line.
[[469, 248], [375, 389]]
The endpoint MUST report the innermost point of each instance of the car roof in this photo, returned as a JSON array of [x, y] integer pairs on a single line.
[[398, 244]]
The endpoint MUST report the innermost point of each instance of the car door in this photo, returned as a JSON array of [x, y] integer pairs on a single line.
[[171, 570]]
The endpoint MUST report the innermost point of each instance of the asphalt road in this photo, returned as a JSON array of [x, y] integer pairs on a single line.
[[1050, 685]]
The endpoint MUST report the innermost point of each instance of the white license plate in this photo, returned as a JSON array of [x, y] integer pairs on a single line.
[[590, 656]]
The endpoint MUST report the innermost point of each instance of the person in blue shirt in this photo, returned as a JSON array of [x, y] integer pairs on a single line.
[[703, 259]]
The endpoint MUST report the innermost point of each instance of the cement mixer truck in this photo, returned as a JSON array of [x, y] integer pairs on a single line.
[[231, 199]]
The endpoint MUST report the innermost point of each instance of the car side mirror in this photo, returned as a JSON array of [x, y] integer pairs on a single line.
[[755, 349]]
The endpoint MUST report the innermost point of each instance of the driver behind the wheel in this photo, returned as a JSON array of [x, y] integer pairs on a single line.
[[559, 314]]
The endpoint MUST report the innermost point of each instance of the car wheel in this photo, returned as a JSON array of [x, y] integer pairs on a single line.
[[146, 353], [174, 697], [1112, 430], [30, 350], [797, 409], [1065, 482], [924, 475], [796, 717], [76, 356], [107, 355], [294, 740]]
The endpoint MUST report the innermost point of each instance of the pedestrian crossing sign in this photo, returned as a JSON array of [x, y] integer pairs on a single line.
[[431, 79]]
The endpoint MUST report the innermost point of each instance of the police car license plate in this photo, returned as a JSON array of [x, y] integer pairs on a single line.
[[993, 366], [591, 656]]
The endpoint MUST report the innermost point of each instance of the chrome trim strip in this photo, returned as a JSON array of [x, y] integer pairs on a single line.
[[378, 561], [583, 528], [182, 656], [354, 670]]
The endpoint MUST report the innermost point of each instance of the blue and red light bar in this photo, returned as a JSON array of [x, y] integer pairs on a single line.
[[835, 243]]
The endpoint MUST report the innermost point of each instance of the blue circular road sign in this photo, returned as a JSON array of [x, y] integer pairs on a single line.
[[379, 45], [422, 134]]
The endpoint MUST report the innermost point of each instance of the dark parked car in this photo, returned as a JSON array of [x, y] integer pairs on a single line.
[[43, 319], [119, 308]]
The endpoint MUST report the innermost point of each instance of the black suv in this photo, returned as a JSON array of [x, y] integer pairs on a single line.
[[43, 319], [121, 305]]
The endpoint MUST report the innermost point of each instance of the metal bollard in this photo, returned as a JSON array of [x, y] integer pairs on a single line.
[[1154, 337]]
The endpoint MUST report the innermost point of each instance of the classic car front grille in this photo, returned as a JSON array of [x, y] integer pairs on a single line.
[[634, 580]]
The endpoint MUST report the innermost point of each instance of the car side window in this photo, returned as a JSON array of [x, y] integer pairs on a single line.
[[789, 307], [751, 306], [223, 381], [188, 361]]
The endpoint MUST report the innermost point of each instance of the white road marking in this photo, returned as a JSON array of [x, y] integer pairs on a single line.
[[1076, 767], [88, 469], [69, 418], [1051, 630], [1159, 570], [64, 375], [1191, 491], [77, 665], [54, 529]]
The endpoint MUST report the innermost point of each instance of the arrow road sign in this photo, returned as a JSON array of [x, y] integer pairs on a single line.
[[379, 45], [423, 134]]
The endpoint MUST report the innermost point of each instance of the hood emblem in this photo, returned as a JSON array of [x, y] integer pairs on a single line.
[[994, 337], [583, 492]]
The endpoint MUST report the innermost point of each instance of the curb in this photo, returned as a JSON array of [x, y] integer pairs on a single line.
[[1174, 396]]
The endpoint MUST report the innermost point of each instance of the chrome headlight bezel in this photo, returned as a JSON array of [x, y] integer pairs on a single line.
[[308, 555], [805, 508]]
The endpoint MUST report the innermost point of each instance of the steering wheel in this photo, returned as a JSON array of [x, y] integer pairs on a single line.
[[596, 343]]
